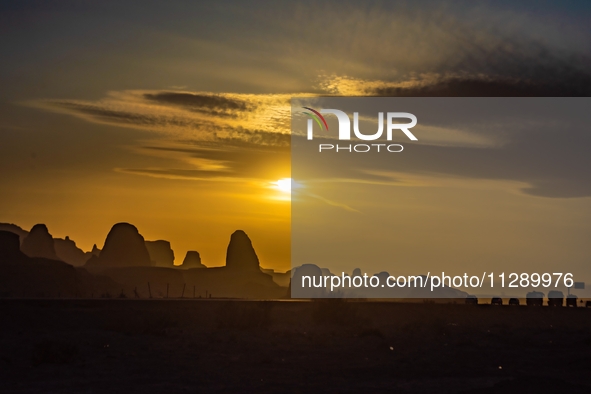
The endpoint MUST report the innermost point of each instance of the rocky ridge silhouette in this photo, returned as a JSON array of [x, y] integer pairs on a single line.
[[192, 260]]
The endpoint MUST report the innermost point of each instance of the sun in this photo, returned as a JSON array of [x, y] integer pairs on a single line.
[[283, 185]]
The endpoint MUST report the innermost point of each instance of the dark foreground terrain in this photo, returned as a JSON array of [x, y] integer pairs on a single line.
[[178, 346]]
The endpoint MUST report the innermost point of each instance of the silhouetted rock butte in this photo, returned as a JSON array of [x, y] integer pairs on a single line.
[[124, 247], [65, 249], [10, 251], [13, 228], [160, 253], [23, 276], [192, 260], [39, 243], [241, 254]]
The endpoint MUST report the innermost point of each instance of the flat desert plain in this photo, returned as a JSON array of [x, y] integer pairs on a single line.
[[334, 346]]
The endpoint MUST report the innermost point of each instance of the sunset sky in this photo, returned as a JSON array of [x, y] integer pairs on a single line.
[[175, 116], [491, 184]]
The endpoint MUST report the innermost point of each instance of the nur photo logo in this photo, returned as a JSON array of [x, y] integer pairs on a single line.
[[344, 129]]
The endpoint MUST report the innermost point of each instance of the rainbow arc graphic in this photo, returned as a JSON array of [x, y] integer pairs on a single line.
[[317, 117]]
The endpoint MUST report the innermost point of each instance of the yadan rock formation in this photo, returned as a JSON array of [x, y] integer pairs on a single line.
[[13, 228], [65, 249], [39, 243], [124, 247], [124, 267], [161, 254], [241, 255], [10, 248], [23, 276], [192, 260]]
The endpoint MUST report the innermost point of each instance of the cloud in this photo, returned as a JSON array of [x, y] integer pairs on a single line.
[[559, 80], [414, 49], [232, 161], [212, 104], [183, 174], [246, 136], [210, 137], [538, 144], [199, 116], [445, 48]]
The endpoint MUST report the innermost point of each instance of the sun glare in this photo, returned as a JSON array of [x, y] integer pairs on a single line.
[[284, 185]]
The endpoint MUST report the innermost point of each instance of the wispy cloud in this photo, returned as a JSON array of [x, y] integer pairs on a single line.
[[559, 79], [247, 136], [201, 116], [414, 49]]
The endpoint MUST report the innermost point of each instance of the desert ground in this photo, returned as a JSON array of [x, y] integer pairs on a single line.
[[330, 346]]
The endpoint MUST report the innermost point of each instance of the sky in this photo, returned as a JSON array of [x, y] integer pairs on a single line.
[[491, 184], [175, 116]]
